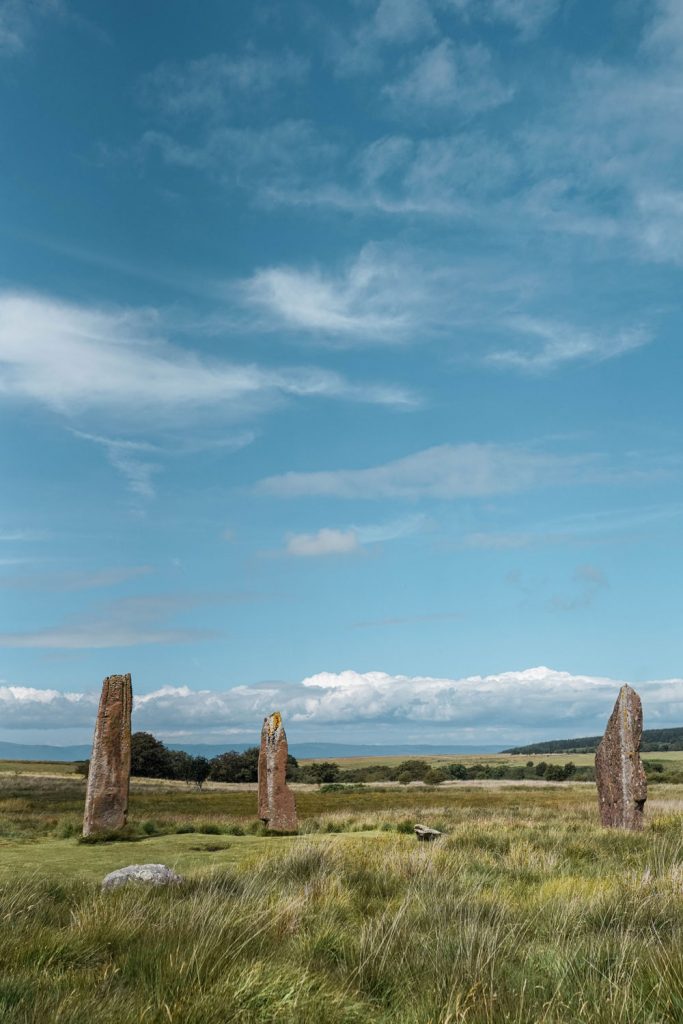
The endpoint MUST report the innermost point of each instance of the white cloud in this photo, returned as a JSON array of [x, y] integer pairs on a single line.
[[74, 359], [450, 77], [372, 299], [588, 527], [283, 154], [127, 456], [446, 471], [349, 541], [563, 343], [209, 84], [527, 16], [511, 706], [17, 22], [325, 542], [397, 21]]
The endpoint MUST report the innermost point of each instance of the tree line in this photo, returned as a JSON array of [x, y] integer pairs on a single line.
[[152, 759], [653, 741]]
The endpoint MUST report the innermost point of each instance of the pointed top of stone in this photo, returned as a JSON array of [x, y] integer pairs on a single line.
[[619, 774], [275, 799]]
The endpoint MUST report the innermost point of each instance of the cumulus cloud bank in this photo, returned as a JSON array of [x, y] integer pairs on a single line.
[[534, 703]]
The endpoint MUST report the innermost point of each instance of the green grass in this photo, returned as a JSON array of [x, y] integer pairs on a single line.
[[525, 912]]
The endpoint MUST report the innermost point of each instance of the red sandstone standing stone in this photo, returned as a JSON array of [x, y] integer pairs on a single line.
[[276, 805], [106, 799], [622, 789]]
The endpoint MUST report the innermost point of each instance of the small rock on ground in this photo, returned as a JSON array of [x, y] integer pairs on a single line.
[[426, 834], [149, 874]]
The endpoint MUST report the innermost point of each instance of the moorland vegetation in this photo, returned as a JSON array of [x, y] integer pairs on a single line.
[[526, 911]]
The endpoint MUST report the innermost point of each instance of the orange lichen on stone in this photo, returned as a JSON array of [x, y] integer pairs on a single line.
[[276, 806]]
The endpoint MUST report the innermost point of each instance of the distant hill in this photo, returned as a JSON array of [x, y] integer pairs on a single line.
[[653, 740], [322, 751]]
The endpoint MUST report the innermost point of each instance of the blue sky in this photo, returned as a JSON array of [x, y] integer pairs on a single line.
[[340, 365]]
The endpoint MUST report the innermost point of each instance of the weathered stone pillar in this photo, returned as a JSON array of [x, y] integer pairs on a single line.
[[276, 805], [106, 799], [622, 789]]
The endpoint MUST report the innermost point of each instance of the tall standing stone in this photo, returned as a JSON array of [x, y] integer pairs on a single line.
[[622, 789], [276, 805], [106, 799]]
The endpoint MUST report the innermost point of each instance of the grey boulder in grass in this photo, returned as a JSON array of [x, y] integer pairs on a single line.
[[147, 874]]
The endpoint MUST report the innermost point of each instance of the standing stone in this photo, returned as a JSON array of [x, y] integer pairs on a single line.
[[106, 799], [276, 805], [622, 789]]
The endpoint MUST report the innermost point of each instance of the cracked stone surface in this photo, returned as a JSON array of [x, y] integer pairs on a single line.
[[276, 806], [148, 874], [622, 789], [106, 800]]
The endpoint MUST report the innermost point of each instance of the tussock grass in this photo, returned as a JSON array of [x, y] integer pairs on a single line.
[[525, 912]]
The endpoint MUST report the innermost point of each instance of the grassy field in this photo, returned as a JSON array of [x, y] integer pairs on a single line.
[[37, 768], [526, 911]]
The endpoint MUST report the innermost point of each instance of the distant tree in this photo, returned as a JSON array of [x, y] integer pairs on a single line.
[[457, 771], [200, 769], [435, 776], [180, 765], [319, 772], [415, 769], [541, 768], [150, 758], [82, 768]]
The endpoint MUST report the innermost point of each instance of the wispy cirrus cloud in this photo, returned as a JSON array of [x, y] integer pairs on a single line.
[[18, 21], [130, 458], [124, 362], [446, 471], [371, 298], [563, 343], [588, 527], [528, 17], [208, 85], [446, 77]]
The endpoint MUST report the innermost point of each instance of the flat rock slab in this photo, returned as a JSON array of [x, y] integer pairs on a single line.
[[147, 874], [426, 834]]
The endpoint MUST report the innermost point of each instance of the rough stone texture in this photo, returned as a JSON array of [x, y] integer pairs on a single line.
[[622, 789], [149, 874], [426, 834], [106, 800], [276, 805]]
